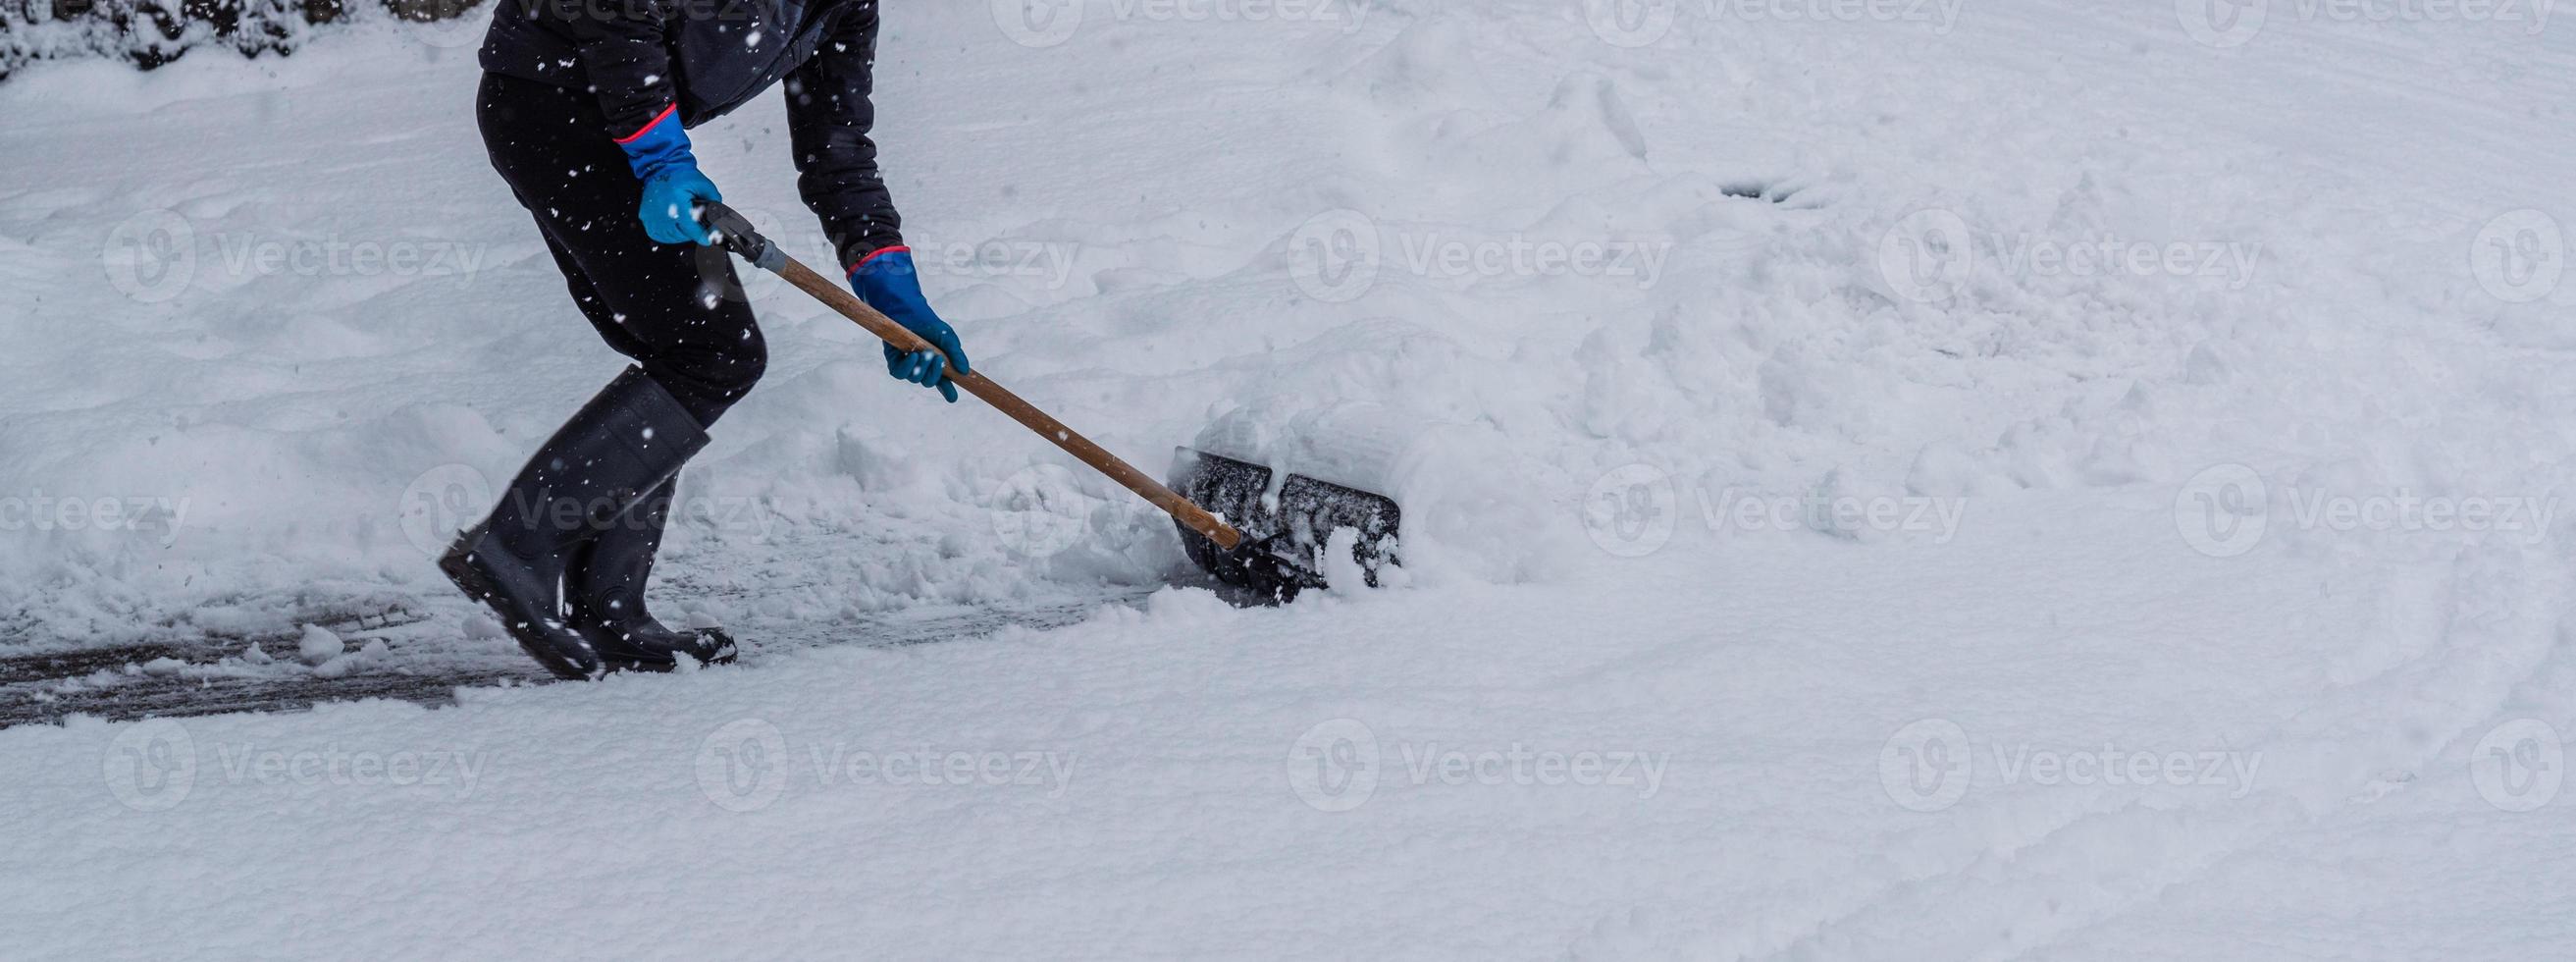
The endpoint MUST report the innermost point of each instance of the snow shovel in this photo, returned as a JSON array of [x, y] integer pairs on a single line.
[[1281, 525]]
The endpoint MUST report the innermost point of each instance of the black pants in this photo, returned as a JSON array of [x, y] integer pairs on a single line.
[[677, 309]]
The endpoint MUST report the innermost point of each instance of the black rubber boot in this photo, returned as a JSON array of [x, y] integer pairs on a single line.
[[627, 441], [606, 589]]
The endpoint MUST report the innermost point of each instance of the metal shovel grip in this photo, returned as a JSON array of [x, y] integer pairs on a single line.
[[738, 236]]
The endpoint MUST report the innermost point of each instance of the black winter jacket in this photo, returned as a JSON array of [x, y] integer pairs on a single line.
[[700, 58]]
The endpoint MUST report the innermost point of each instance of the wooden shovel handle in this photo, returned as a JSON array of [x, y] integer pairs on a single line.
[[831, 292]]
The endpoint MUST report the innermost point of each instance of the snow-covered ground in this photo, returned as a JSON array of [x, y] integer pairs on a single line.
[[2060, 479]]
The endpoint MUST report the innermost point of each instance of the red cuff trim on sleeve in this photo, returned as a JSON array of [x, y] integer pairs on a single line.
[[648, 127], [879, 252]]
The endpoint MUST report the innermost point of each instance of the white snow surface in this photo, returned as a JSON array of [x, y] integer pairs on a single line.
[[2172, 641]]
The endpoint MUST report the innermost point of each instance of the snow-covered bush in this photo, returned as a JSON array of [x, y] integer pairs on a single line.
[[149, 33]]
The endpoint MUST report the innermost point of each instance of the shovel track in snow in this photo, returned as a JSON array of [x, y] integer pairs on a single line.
[[427, 661]]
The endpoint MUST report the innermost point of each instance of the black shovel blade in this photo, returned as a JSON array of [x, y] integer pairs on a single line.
[[1283, 539]]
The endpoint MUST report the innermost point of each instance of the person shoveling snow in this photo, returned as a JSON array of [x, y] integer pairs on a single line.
[[572, 96], [585, 111]]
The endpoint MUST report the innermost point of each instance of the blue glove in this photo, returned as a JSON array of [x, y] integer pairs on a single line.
[[673, 188], [888, 282]]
